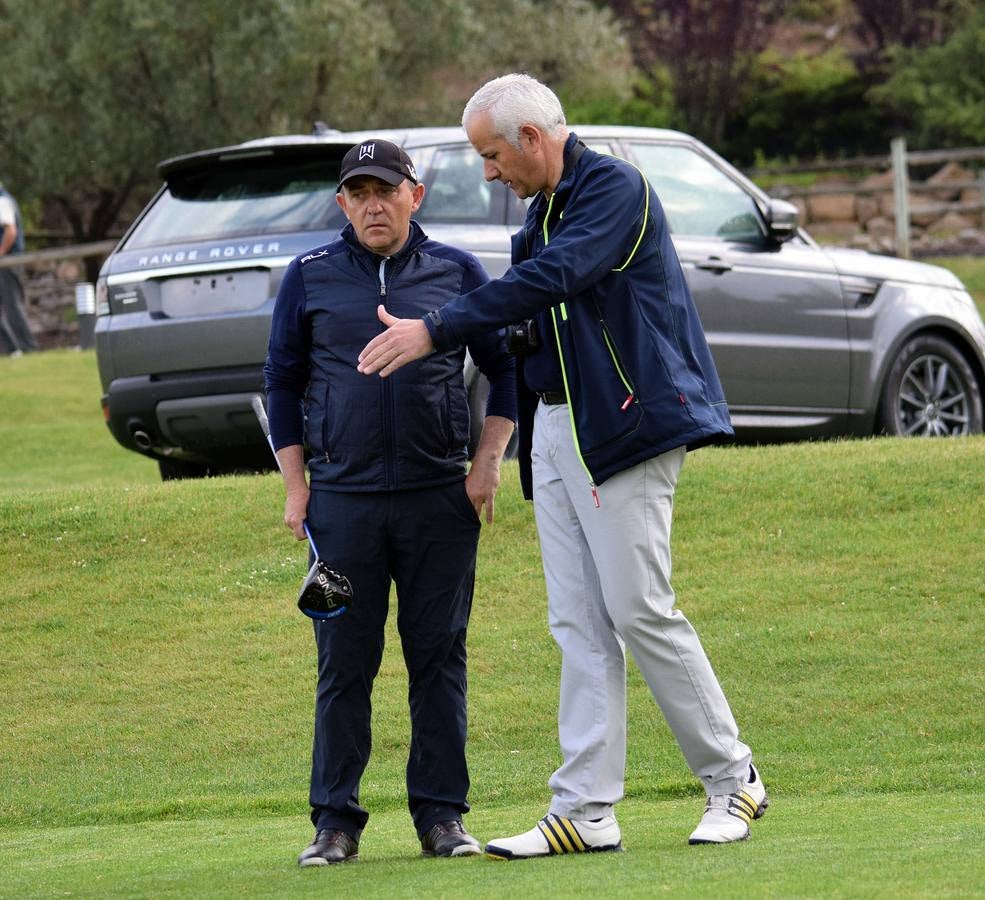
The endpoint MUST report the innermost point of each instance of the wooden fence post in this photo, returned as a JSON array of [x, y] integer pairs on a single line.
[[901, 196]]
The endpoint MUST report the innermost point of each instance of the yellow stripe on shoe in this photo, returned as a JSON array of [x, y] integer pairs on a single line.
[[561, 834], [742, 806], [552, 840], [556, 835], [568, 827], [739, 812]]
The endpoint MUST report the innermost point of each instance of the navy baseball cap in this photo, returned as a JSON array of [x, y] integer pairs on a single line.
[[378, 158]]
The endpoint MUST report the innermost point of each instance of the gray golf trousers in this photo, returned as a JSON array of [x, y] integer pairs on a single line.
[[608, 587]]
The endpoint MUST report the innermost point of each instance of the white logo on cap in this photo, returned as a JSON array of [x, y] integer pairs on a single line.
[[413, 173], [367, 150]]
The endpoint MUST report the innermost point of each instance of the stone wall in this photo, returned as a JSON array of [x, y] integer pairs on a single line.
[[49, 297], [946, 212]]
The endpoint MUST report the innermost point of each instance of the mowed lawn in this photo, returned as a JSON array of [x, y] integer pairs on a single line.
[[157, 679]]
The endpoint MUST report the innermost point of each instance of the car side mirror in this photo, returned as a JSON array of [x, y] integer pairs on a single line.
[[782, 219]]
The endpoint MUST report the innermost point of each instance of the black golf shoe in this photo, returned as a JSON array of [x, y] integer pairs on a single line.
[[449, 839], [329, 847]]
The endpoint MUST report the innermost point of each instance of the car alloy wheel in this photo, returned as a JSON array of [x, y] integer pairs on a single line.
[[931, 391]]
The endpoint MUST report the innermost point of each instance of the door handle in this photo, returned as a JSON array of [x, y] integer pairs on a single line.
[[713, 264]]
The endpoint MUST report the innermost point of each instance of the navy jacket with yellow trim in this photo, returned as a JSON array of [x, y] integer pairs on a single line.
[[637, 367]]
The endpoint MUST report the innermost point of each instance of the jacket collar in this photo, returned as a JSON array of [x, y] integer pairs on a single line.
[[574, 149], [414, 240]]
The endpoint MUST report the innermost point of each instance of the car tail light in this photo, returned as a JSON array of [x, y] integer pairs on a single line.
[[102, 297]]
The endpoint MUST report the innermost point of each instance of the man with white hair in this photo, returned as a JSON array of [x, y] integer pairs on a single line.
[[618, 382]]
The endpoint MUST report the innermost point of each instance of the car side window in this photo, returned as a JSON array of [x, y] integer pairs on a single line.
[[699, 199], [457, 193]]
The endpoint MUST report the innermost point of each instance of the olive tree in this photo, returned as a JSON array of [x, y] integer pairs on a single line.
[[96, 92]]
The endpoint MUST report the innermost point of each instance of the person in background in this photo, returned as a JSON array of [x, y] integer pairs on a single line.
[[15, 333], [617, 384], [389, 499]]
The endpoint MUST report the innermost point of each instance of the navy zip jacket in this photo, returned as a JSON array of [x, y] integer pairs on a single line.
[[598, 259], [409, 430]]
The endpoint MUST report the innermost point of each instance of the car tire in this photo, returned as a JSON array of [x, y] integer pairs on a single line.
[[930, 391]]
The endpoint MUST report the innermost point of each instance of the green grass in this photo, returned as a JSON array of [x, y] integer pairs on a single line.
[[52, 432], [157, 680]]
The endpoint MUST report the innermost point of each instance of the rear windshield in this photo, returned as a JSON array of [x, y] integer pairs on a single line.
[[244, 197]]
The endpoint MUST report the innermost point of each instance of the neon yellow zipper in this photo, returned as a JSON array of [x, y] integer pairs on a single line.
[[564, 373], [571, 409], [562, 308]]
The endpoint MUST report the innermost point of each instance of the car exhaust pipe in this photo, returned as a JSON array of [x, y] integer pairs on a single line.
[[142, 439]]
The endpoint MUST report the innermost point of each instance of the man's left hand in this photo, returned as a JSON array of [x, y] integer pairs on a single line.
[[482, 482], [403, 341], [481, 485]]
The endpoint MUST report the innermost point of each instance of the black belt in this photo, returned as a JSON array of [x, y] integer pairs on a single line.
[[552, 398]]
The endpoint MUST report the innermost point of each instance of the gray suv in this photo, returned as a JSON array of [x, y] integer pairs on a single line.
[[809, 342]]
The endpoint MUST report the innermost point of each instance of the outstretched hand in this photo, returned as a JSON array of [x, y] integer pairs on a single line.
[[403, 341]]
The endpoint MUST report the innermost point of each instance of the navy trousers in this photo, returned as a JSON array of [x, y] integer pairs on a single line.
[[424, 541]]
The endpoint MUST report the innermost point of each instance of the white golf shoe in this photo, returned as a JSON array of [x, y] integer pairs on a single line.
[[554, 835], [727, 816]]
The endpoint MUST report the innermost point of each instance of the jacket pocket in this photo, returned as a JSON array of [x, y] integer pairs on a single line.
[[447, 420], [630, 390], [325, 425], [602, 391], [457, 419]]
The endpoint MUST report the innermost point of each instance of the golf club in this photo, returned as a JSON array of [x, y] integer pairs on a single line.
[[325, 593]]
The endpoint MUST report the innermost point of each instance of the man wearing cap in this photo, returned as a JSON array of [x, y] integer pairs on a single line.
[[387, 496]]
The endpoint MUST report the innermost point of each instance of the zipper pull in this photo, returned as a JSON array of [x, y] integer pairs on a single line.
[[595, 495], [382, 289], [626, 402]]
